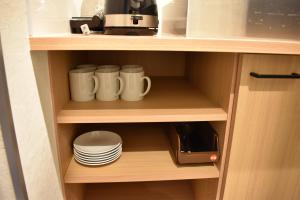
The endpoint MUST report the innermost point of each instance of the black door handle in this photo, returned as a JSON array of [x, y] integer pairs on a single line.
[[282, 76]]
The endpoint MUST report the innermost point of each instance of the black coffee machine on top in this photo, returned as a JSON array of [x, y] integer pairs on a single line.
[[121, 17], [131, 17]]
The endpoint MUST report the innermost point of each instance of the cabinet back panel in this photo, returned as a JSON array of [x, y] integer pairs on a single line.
[[155, 63], [205, 189]]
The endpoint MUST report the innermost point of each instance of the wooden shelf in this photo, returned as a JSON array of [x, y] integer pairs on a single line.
[[167, 190], [146, 157], [170, 100], [163, 43]]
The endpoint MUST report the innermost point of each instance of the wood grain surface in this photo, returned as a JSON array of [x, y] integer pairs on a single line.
[[264, 160]]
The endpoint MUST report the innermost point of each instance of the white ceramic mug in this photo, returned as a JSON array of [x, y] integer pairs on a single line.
[[133, 77], [87, 66], [83, 84], [110, 84]]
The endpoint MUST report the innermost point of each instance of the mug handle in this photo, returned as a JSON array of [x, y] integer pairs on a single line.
[[148, 85], [96, 84], [121, 86]]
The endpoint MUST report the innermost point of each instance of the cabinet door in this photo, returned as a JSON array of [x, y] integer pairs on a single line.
[[264, 161]]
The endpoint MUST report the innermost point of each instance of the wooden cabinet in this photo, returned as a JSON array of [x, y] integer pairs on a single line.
[[264, 159], [193, 80], [186, 86]]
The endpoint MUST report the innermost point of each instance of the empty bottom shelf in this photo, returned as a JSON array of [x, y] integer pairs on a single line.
[[165, 190]]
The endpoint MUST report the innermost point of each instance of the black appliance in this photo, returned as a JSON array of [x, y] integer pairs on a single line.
[[95, 23], [130, 17]]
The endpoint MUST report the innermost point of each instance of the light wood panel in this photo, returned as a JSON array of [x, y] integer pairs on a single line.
[[205, 189], [223, 173], [146, 157], [155, 63], [264, 160], [220, 128], [59, 65], [163, 43], [57, 74], [215, 75], [75, 191], [166, 190], [170, 99], [60, 62]]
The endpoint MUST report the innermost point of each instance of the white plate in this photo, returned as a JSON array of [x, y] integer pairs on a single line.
[[97, 163], [97, 158], [98, 154], [97, 141]]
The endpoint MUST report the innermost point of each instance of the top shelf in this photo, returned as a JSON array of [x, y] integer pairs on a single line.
[[163, 43]]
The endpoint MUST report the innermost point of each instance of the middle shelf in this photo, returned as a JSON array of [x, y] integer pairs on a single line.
[[146, 157], [171, 99]]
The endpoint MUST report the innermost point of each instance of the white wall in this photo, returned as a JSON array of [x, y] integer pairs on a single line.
[[52, 16], [6, 187], [217, 18], [49, 16], [172, 16], [37, 162]]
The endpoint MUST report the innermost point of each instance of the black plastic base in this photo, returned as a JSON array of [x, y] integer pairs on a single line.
[[129, 31]]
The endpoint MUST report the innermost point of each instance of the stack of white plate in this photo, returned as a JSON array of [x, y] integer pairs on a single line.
[[97, 148]]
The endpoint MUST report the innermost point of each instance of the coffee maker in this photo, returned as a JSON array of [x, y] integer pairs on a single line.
[[130, 17]]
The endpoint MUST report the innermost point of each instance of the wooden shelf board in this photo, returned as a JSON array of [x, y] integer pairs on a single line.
[[170, 100], [146, 157], [163, 43], [167, 190]]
